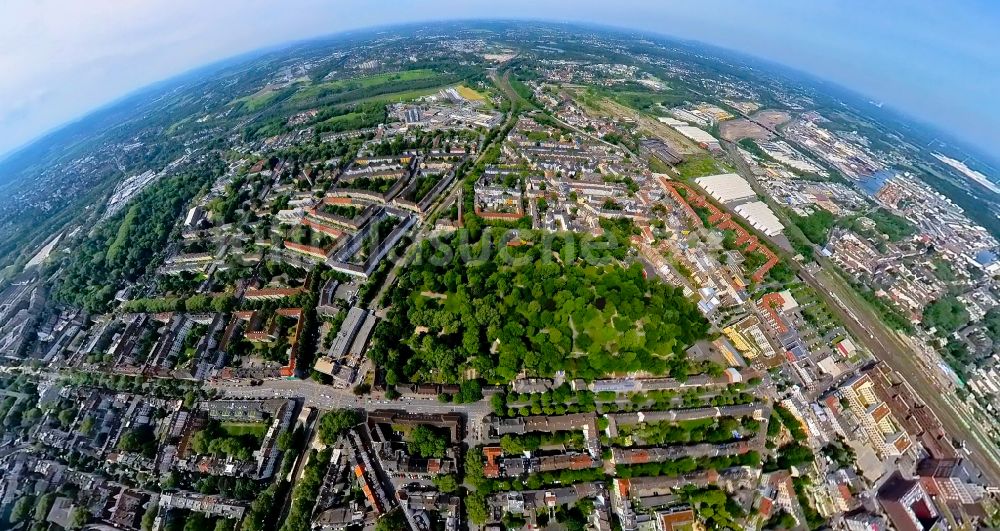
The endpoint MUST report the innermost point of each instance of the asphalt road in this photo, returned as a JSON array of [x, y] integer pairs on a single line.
[[325, 397]]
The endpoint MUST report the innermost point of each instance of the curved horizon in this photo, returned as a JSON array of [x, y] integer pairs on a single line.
[[251, 54], [676, 27]]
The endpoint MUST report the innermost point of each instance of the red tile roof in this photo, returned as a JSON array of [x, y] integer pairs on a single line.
[[765, 507]]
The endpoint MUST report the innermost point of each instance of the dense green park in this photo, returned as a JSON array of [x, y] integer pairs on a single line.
[[538, 307]]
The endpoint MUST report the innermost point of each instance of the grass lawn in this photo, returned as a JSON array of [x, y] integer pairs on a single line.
[[469, 93], [236, 429], [637, 100], [344, 85], [394, 97], [658, 166], [697, 167], [405, 75], [590, 100], [342, 118], [351, 120], [258, 100]]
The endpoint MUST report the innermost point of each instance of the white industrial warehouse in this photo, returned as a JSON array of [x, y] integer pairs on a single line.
[[727, 188], [698, 135], [760, 217]]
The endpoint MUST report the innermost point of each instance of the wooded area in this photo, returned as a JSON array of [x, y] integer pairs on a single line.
[[519, 308]]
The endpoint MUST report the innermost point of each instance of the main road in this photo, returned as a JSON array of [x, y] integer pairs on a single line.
[[324, 397]]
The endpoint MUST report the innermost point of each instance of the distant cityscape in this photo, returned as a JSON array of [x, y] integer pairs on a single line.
[[498, 276]]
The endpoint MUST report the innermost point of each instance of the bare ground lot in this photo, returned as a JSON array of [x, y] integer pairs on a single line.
[[733, 130], [771, 118]]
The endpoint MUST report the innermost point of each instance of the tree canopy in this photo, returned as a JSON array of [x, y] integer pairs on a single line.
[[214, 439], [335, 423], [425, 441], [124, 247], [945, 315], [392, 521], [503, 309], [815, 226]]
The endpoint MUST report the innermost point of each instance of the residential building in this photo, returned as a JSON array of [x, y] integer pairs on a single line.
[[955, 480], [908, 505]]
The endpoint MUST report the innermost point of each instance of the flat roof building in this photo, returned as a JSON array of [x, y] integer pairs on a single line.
[[727, 188], [908, 505], [698, 135], [875, 416], [760, 217], [348, 330], [953, 479]]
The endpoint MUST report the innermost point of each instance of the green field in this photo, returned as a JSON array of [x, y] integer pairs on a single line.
[[344, 85], [237, 429], [637, 97], [469, 93], [341, 122], [697, 167], [258, 100], [406, 95]]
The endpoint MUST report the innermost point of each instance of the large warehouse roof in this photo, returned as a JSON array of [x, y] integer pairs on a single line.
[[727, 188], [698, 135], [760, 217]]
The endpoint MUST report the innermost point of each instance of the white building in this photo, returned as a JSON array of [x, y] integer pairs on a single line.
[[700, 136], [760, 217], [727, 188]]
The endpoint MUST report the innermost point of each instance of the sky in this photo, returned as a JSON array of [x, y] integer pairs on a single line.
[[938, 61]]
